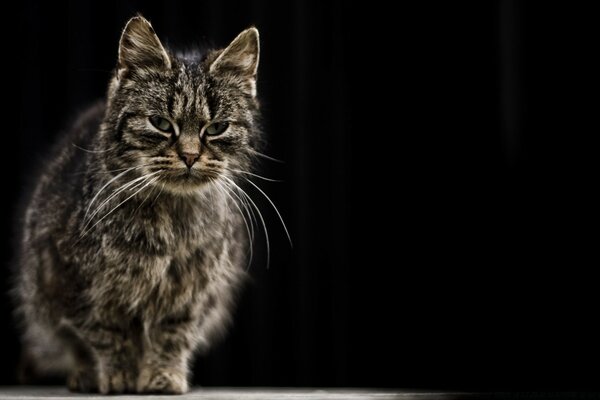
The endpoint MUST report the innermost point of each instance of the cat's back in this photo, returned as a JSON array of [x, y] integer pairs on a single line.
[[61, 174], [73, 146]]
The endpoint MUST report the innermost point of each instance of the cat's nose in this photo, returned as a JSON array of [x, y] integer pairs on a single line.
[[189, 158]]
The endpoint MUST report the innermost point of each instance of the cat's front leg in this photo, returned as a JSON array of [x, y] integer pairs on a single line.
[[116, 353], [167, 348], [83, 376]]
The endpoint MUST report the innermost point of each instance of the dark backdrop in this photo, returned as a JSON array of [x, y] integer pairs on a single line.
[[438, 183]]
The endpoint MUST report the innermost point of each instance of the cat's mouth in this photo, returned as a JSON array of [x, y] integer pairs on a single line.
[[186, 178]]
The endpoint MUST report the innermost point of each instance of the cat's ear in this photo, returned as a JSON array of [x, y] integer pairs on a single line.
[[240, 57], [140, 47]]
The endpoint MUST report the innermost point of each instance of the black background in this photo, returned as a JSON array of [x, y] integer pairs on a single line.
[[438, 183]]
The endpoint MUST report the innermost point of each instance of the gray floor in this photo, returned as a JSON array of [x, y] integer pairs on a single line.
[[26, 393], [55, 392]]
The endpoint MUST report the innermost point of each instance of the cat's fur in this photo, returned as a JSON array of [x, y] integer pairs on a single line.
[[121, 290]]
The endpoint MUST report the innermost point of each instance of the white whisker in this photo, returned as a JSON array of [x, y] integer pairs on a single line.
[[119, 190], [266, 156], [157, 196], [262, 220], [226, 190], [248, 210], [141, 204], [275, 208], [118, 205], [255, 175], [104, 187], [212, 197], [92, 151], [101, 171], [244, 203]]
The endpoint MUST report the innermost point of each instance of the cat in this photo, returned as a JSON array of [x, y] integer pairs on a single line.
[[133, 242]]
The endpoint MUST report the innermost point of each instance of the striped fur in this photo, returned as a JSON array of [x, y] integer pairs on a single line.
[[129, 258]]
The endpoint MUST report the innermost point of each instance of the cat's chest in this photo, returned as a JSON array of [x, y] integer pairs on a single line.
[[160, 281], [155, 248], [157, 257], [169, 230]]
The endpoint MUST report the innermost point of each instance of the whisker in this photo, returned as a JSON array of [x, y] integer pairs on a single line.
[[104, 187], [92, 151], [118, 205], [108, 171], [141, 204], [275, 208], [266, 156], [119, 190], [255, 175], [262, 220], [212, 196], [226, 191], [116, 192], [159, 193], [248, 210]]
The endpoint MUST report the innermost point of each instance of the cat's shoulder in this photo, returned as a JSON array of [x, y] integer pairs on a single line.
[[89, 118]]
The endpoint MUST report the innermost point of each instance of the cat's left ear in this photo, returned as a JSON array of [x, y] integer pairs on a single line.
[[140, 48], [241, 58]]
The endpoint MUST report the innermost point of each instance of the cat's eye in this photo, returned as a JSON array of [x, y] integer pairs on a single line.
[[161, 124], [216, 128]]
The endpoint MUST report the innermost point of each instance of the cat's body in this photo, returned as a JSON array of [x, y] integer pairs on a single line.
[[132, 246]]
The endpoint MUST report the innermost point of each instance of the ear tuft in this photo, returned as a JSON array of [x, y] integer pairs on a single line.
[[140, 47]]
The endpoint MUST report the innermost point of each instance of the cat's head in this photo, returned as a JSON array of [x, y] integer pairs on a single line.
[[186, 119]]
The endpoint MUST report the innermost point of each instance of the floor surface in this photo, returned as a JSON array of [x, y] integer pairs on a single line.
[[53, 393], [57, 392]]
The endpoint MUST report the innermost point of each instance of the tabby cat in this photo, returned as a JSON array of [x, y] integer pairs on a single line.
[[133, 240]]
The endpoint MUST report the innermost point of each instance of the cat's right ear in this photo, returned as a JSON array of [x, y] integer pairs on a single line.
[[140, 48]]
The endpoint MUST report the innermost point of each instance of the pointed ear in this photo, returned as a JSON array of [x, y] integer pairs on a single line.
[[240, 57], [140, 47]]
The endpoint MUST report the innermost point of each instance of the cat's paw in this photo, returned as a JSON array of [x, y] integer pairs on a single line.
[[162, 381], [116, 381], [83, 381]]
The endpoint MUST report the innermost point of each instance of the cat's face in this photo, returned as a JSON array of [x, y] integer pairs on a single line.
[[186, 121]]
